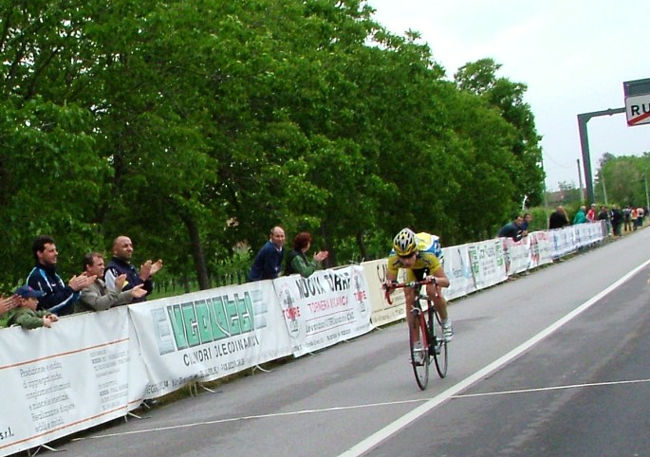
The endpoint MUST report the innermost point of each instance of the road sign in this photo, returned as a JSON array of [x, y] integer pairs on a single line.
[[637, 101], [637, 110]]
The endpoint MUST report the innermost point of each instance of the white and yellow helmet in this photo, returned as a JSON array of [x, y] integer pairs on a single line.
[[404, 242]]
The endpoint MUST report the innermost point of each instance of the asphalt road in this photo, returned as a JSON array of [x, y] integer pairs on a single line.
[[550, 364]]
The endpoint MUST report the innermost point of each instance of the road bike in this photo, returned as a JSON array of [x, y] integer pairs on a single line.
[[427, 331]]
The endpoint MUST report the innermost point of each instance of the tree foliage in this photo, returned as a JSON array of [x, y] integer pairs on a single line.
[[194, 127]]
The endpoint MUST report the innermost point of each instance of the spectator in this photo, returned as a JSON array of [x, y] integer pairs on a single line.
[[268, 261], [580, 217], [98, 297], [558, 218], [120, 264], [627, 218], [617, 220], [639, 217], [591, 214], [633, 216], [603, 215], [297, 261], [57, 297], [513, 229], [25, 313], [528, 218], [6, 305]]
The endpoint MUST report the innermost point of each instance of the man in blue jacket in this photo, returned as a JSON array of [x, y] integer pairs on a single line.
[[120, 264], [268, 262], [58, 298]]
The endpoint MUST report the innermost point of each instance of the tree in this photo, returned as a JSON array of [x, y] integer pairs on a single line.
[[526, 171]]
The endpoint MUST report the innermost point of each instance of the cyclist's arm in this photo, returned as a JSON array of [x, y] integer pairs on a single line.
[[391, 269], [441, 277]]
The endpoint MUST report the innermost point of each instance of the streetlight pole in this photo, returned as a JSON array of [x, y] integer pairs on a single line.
[[645, 180]]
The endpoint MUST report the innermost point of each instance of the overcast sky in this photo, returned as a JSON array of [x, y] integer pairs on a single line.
[[573, 55]]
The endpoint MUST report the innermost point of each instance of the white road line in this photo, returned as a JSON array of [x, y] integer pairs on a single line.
[[379, 436], [546, 389], [256, 416], [344, 408]]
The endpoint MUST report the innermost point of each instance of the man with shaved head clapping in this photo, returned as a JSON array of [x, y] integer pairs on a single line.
[[120, 264]]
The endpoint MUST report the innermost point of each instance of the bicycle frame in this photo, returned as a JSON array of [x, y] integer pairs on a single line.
[[431, 339]]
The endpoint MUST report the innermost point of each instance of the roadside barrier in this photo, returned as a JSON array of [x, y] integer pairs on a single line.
[[94, 367]]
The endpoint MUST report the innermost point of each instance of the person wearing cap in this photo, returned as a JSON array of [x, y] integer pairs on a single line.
[[57, 297], [25, 314], [98, 297]]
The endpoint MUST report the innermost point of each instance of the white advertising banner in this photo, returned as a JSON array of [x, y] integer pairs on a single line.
[[488, 262], [516, 254], [60, 380], [541, 250], [210, 334], [382, 311], [458, 269], [327, 307], [562, 241]]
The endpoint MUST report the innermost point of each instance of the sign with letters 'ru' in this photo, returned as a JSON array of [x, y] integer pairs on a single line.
[[637, 101]]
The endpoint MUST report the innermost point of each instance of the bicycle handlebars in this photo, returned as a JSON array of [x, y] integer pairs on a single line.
[[401, 285]]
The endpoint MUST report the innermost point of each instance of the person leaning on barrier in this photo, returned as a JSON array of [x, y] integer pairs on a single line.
[[98, 297], [57, 297], [513, 229], [120, 264], [297, 261], [268, 261], [25, 313]]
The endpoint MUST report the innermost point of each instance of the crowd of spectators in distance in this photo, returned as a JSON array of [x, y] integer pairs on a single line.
[[617, 220], [45, 296]]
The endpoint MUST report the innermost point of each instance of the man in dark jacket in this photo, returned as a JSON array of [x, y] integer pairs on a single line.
[[121, 264], [268, 261], [513, 230], [57, 297]]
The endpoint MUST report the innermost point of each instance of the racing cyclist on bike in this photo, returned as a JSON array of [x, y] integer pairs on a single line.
[[419, 254]]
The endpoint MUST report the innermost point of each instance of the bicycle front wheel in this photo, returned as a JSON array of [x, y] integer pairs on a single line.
[[419, 350], [439, 346]]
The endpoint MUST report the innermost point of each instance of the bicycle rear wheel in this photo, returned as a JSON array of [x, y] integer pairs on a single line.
[[438, 346], [419, 352]]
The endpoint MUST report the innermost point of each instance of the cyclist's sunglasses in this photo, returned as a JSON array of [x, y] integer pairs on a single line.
[[404, 257]]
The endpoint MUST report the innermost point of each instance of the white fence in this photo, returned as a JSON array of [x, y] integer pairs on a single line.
[[91, 368]]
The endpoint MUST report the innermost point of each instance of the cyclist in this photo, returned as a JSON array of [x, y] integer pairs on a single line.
[[420, 255]]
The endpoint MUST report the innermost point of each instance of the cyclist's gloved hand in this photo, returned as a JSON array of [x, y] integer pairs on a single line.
[[432, 279], [388, 284]]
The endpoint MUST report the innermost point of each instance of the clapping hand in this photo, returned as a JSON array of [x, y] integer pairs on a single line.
[[48, 319], [321, 255], [7, 303], [120, 282], [81, 281], [138, 291], [156, 266], [150, 268]]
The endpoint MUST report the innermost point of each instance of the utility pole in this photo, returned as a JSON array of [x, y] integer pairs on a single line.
[[645, 180]]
